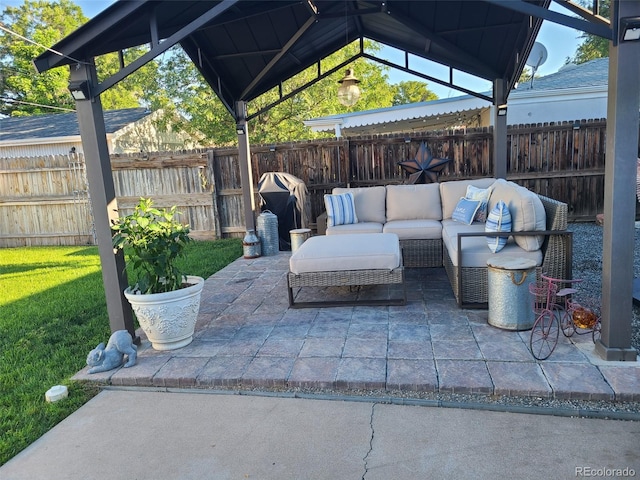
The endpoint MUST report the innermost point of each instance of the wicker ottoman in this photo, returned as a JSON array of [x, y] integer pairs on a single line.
[[347, 260]]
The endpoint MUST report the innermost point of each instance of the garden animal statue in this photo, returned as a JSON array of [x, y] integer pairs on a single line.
[[102, 358]]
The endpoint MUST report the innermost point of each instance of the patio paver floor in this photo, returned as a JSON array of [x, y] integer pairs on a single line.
[[247, 336]]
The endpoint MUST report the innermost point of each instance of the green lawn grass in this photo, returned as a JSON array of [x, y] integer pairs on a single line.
[[52, 312]]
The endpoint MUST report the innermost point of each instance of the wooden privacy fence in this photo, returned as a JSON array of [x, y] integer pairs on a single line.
[[45, 200], [563, 161]]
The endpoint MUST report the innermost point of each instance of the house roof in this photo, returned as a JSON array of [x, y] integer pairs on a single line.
[[63, 124], [588, 74]]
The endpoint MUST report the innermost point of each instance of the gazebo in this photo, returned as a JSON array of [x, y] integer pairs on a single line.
[[245, 48]]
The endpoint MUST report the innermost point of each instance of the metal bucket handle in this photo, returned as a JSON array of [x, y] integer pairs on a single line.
[[513, 278]]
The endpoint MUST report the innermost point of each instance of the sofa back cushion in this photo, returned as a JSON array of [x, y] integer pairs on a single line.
[[451, 192], [369, 202], [526, 208], [414, 202]]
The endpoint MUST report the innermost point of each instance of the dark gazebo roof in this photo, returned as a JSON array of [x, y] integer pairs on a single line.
[[245, 48]]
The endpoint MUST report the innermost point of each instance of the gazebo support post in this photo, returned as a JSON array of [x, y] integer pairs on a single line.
[[103, 200], [620, 191], [499, 128], [244, 163]]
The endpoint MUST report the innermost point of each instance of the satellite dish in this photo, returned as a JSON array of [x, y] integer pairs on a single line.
[[536, 58]]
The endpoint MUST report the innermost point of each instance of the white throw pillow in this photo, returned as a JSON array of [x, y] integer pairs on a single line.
[[481, 194]]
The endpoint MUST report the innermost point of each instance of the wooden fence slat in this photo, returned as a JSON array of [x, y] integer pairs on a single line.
[[167, 201]]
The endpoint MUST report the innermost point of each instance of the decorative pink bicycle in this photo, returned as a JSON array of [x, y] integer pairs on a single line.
[[556, 309]]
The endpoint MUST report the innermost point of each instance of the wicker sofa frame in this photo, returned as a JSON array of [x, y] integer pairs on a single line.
[[422, 253], [470, 284]]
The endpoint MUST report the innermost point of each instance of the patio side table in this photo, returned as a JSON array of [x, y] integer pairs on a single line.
[[298, 237], [508, 292]]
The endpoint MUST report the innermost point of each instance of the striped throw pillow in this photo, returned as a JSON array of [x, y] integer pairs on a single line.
[[498, 220], [341, 209]]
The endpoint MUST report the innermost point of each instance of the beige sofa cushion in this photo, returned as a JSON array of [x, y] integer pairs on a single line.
[[414, 202], [451, 192], [329, 253], [369, 202], [475, 252], [526, 209], [361, 227], [414, 229]]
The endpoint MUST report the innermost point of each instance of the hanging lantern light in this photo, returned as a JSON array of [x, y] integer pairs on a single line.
[[348, 91]]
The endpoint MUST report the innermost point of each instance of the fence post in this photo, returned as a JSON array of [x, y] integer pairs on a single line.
[[211, 157]]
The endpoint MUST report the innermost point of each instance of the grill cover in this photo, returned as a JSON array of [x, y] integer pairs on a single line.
[[287, 197]]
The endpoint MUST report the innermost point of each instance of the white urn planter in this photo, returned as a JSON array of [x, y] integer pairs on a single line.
[[169, 318]]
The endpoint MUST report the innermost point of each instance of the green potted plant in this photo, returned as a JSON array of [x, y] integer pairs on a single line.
[[166, 301]]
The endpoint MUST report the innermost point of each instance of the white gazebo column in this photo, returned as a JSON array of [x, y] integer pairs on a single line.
[[244, 163], [499, 129], [620, 191]]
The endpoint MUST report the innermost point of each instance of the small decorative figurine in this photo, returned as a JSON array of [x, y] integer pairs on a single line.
[[101, 359]]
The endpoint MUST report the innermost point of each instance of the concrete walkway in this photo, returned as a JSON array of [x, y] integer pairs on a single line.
[[159, 435], [247, 337]]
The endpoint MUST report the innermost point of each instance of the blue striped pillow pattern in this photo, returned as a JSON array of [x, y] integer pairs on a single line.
[[498, 220], [341, 209]]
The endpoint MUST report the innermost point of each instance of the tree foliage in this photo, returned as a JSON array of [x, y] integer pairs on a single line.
[[592, 46], [186, 90], [411, 92], [285, 121], [174, 84], [25, 92], [21, 88]]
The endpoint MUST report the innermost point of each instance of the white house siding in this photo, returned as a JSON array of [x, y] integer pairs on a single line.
[[557, 105], [144, 136], [39, 150]]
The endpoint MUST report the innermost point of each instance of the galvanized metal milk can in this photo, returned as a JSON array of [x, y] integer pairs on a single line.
[[267, 227], [251, 245], [508, 292]]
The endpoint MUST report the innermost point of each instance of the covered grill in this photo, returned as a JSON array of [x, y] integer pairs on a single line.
[[287, 197]]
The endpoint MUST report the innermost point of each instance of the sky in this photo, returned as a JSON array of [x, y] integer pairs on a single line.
[[560, 42]]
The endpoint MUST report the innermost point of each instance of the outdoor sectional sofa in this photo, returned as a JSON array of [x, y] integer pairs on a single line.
[[421, 216]]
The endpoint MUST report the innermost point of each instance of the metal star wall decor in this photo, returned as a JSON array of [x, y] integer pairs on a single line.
[[423, 168]]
